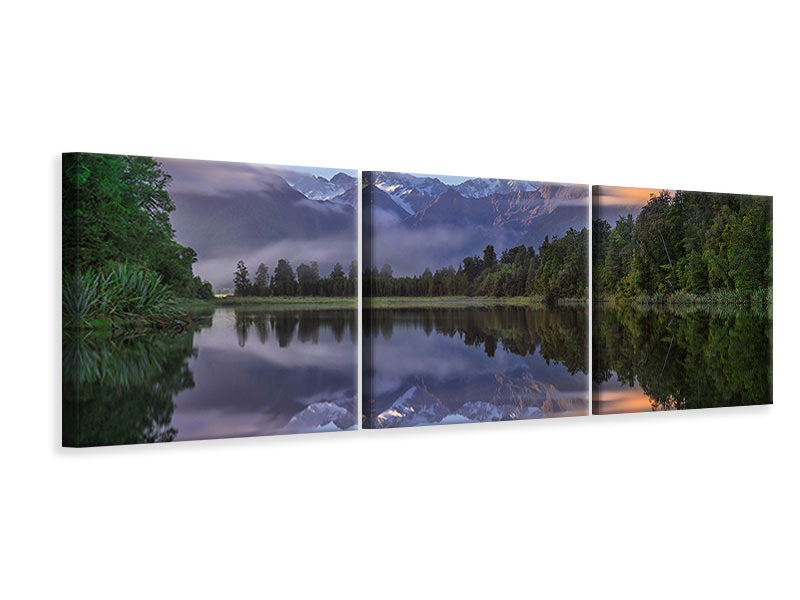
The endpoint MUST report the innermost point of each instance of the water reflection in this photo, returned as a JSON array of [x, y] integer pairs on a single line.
[[239, 372], [645, 359], [426, 366]]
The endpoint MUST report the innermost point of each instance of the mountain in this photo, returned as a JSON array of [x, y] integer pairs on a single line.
[[452, 208], [481, 188], [425, 201], [340, 188], [520, 209], [324, 416], [420, 222], [343, 180], [556, 223], [381, 205], [409, 192]]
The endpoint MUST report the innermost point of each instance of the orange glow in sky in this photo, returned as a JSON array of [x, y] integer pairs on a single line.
[[625, 196]]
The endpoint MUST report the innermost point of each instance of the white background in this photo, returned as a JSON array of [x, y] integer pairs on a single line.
[[682, 95]]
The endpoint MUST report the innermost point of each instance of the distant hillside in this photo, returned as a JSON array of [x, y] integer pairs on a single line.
[[437, 225]]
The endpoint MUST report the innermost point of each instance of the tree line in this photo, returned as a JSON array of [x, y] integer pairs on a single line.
[[557, 270], [307, 281], [695, 242]]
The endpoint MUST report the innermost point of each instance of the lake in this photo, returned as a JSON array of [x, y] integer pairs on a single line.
[[647, 359], [440, 365], [243, 371]]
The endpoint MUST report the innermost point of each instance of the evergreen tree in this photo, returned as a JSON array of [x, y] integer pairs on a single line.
[[261, 283], [489, 257], [241, 280], [352, 278], [283, 281]]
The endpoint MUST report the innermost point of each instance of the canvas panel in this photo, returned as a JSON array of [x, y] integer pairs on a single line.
[[206, 299], [682, 300], [475, 300]]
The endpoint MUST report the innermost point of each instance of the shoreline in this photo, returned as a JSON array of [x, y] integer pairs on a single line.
[[272, 302], [760, 298], [464, 301]]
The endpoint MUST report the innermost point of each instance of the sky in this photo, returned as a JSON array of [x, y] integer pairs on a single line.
[[446, 179], [611, 202], [325, 172], [630, 196]]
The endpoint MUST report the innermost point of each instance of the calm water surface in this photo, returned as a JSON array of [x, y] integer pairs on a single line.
[[655, 359], [240, 372], [427, 366]]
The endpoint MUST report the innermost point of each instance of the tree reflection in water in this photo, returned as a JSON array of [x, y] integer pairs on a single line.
[[120, 389], [683, 358]]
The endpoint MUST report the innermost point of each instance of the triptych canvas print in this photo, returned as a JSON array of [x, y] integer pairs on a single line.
[[207, 299]]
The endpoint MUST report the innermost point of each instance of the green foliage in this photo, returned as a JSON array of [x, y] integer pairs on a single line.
[[558, 270], [117, 208], [563, 269], [119, 295], [261, 283], [308, 279], [307, 284], [241, 280], [695, 242], [283, 281], [489, 257], [601, 232]]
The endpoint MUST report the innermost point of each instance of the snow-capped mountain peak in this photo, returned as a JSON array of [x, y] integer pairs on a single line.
[[404, 188], [318, 188], [482, 187]]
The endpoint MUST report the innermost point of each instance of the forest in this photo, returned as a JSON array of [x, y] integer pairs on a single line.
[[120, 260], [693, 246], [557, 270], [307, 282]]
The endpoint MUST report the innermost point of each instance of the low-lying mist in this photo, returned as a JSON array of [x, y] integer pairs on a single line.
[[410, 250], [326, 251]]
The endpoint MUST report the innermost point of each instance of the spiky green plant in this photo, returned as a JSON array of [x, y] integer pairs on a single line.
[[122, 293]]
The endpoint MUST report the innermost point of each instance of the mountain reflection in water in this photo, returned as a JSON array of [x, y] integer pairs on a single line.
[[239, 372], [426, 366]]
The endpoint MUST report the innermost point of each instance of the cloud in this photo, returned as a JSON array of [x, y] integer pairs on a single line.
[[410, 250], [207, 177]]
